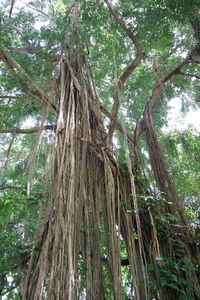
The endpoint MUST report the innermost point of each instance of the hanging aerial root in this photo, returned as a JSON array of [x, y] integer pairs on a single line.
[[142, 257]]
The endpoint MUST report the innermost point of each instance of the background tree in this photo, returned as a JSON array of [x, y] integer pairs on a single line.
[[96, 172]]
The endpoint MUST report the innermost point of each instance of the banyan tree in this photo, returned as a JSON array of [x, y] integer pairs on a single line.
[[108, 220]]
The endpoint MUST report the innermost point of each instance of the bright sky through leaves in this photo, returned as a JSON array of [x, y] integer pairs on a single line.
[[178, 121]]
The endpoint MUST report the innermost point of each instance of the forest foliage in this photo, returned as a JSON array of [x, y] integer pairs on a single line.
[[33, 37]]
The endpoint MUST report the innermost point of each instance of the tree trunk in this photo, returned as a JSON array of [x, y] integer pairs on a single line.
[[83, 173]]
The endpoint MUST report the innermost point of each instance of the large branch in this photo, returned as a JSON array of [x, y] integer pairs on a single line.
[[38, 10], [12, 187], [15, 28], [8, 97], [38, 93], [177, 69], [30, 130], [156, 94], [123, 26], [189, 75], [160, 84], [123, 78], [118, 125]]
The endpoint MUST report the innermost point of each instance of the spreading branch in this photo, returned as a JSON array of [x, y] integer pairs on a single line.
[[123, 78], [156, 93], [8, 97], [38, 10], [38, 93], [11, 187], [159, 86], [177, 69], [15, 28], [189, 75], [30, 130], [118, 125], [123, 26]]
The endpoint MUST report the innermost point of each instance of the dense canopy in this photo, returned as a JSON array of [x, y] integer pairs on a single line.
[[99, 197]]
